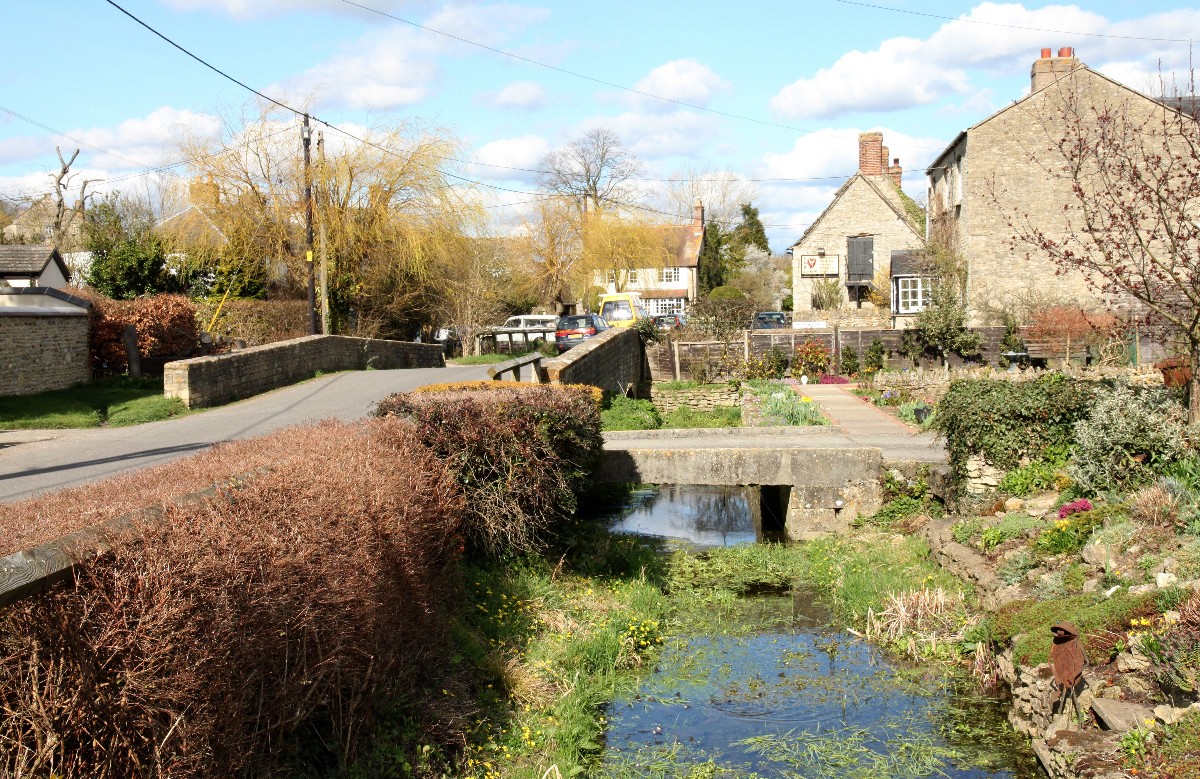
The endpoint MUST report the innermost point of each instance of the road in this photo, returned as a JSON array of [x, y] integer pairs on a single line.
[[37, 461]]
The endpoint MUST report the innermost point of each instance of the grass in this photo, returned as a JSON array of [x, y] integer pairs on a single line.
[[116, 401], [781, 405], [488, 359], [721, 416], [622, 413]]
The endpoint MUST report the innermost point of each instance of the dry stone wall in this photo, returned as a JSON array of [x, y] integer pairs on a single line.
[[40, 352], [612, 361], [207, 381]]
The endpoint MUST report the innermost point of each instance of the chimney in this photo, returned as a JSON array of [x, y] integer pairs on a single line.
[[894, 172], [204, 192], [1047, 69], [698, 218], [870, 154]]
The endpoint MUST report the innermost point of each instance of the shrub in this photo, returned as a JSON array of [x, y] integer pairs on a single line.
[[210, 644], [1005, 421], [848, 361], [1009, 527], [622, 413], [876, 356], [811, 358], [784, 407], [1071, 532], [521, 454], [255, 321], [1128, 437], [165, 324], [1037, 476], [832, 378], [772, 365]]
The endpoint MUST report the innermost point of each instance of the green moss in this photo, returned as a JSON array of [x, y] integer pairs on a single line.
[[1029, 623]]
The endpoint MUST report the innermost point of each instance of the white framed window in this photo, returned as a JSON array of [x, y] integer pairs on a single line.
[[670, 276], [610, 277], [632, 276], [666, 305], [912, 294]]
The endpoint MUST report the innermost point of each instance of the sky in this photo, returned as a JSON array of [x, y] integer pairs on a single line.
[[776, 92]]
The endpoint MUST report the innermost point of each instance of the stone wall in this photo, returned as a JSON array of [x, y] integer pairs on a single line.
[[207, 381], [612, 361], [704, 398], [42, 351], [932, 383]]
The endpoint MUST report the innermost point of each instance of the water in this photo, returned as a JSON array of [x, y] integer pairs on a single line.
[[783, 695], [699, 515]]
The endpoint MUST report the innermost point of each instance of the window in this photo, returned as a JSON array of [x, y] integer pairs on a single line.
[[912, 294], [632, 276], [610, 277], [666, 305], [616, 311], [670, 276]]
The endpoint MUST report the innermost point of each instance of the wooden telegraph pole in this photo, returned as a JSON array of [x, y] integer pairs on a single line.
[[325, 322], [306, 137]]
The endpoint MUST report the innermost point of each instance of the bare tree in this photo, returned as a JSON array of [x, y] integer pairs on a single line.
[[595, 172], [1133, 169], [721, 191], [64, 216]]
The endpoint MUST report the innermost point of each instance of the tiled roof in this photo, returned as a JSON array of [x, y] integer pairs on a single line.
[[26, 260], [683, 242]]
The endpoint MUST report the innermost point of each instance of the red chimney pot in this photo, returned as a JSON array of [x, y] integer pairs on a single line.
[[1066, 51], [1045, 54]]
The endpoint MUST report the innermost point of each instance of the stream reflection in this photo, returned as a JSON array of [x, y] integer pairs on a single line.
[[701, 515]]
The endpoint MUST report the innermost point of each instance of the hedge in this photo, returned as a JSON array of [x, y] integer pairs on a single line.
[[521, 453], [278, 616], [1005, 421]]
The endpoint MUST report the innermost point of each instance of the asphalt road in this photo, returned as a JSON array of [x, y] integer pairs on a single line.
[[37, 461]]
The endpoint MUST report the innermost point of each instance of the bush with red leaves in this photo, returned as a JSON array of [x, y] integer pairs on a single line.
[[166, 329], [210, 644], [521, 455]]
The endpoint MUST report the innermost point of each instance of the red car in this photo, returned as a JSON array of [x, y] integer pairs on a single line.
[[576, 328]]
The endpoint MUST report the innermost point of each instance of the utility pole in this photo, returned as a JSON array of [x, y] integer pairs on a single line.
[[306, 137], [325, 323]]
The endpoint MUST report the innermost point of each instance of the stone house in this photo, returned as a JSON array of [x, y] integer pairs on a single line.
[[847, 251], [36, 224], [39, 265], [1000, 172], [675, 286]]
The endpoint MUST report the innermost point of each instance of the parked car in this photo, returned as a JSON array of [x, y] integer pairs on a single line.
[[622, 309], [669, 321], [574, 329], [769, 320], [520, 333]]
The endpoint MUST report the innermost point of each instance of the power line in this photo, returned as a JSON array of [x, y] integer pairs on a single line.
[[1010, 26], [367, 142]]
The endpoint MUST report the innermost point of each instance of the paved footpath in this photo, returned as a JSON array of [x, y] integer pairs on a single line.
[[36, 461], [856, 423]]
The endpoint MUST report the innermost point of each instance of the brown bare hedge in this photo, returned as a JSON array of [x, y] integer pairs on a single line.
[[206, 646], [520, 453], [255, 321]]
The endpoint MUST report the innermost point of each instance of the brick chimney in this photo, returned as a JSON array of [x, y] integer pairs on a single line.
[[698, 218], [204, 192], [894, 171], [1047, 69], [871, 157]]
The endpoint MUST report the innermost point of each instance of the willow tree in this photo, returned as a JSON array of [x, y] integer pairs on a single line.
[[570, 252], [387, 212]]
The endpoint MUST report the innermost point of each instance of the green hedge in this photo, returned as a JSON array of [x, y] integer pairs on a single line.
[[1006, 421]]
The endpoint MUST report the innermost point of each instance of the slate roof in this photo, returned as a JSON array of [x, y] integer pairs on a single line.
[[29, 261]]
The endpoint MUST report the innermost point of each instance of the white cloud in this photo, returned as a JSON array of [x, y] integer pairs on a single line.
[[1001, 39], [147, 141], [525, 151], [397, 66], [685, 80], [521, 94], [657, 136]]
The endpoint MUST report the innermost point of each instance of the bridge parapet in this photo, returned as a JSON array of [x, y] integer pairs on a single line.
[[827, 487], [612, 361]]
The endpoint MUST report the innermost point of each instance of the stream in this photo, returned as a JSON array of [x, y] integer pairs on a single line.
[[784, 694]]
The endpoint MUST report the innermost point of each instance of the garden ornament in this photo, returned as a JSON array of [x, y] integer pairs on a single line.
[[1067, 659]]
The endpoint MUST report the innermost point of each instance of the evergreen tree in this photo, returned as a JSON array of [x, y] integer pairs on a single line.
[[128, 259], [712, 263], [751, 232]]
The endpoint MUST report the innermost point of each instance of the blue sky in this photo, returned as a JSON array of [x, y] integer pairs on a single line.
[[794, 83]]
